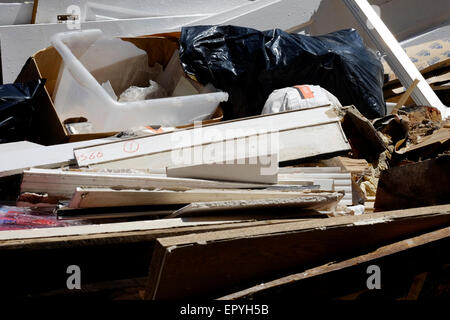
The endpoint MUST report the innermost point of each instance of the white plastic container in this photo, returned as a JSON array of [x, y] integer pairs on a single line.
[[79, 94]]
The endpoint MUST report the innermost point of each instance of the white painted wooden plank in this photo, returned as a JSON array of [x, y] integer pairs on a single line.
[[309, 170], [105, 228], [239, 128], [15, 162], [92, 10], [396, 57], [341, 176], [250, 170], [64, 183], [283, 14], [20, 145], [106, 197], [324, 184], [15, 13], [18, 43], [343, 182], [291, 147]]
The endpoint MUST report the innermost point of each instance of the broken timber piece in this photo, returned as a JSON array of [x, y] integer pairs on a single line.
[[261, 169], [396, 57], [294, 205], [214, 263], [106, 197], [336, 271], [357, 166], [405, 97], [416, 184], [62, 184], [428, 147], [292, 134], [363, 137]]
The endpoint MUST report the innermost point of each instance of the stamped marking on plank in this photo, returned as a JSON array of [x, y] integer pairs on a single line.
[[131, 146]]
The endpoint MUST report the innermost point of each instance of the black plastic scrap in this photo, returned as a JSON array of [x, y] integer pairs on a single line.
[[17, 109], [249, 65]]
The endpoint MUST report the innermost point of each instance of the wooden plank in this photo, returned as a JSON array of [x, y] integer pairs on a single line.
[[16, 161], [396, 57], [120, 233], [357, 166], [405, 96], [21, 145], [259, 169], [334, 176], [296, 279], [298, 170], [363, 137], [290, 148], [295, 206], [426, 182], [312, 123], [339, 182], [215, 262], [48, 10], [104, 197], [103, 228], [265, 14], [58, 183]]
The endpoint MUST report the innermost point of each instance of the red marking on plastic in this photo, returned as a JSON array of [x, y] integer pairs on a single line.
[[306, 91]]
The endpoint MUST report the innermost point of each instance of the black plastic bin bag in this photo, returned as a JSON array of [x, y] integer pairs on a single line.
[[17, 109], [249, 65]]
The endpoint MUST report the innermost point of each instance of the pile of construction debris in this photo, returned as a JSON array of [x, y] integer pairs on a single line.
[[213, 199]]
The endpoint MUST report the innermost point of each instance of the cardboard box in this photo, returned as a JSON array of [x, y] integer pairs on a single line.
[[46, 63]]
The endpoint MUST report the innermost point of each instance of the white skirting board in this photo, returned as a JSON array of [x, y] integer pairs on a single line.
[[294, 135], [250, 170], [18, 43], [22, 156], [59, 183], [328, 178], [94, 10]]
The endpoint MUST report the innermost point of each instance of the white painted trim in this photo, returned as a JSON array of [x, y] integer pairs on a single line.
[[64, 183], [396, 57], [16, 161], [220, 132]]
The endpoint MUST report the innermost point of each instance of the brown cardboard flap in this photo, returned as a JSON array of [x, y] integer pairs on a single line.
[[49, 62], [158, 49]]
